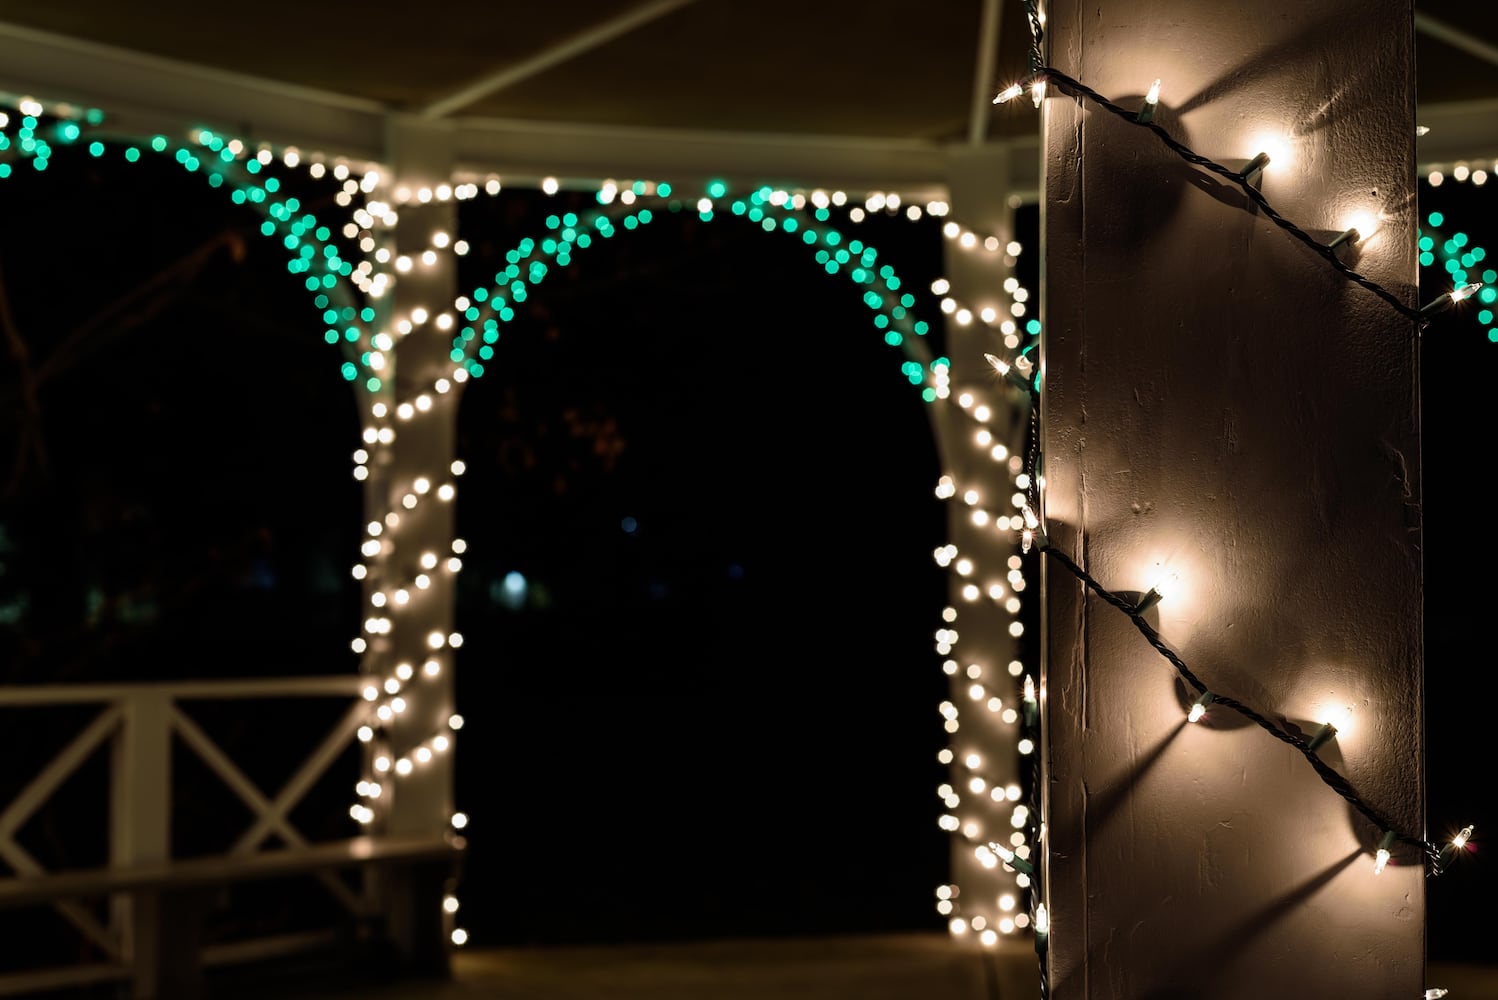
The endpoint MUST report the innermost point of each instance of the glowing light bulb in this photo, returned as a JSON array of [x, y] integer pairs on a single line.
[[1450, 298], [1199, 709], [1457, 845], [1254, 167], [1011, 859], [1042, 920], [1382, 857], [1032, 532], [1151, 99], [1352, 234], [1009, 93], [1161, 589], [1007, 370], [1323, 735]]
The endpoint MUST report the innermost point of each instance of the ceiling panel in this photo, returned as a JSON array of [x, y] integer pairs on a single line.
[[885, 68]]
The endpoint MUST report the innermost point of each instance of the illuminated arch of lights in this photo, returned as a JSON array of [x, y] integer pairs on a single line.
[[348, 267]]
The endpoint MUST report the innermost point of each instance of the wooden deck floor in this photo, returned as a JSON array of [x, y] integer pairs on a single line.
[[892, 967]]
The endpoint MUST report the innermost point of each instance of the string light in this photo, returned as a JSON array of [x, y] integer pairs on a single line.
[[1382, 857], [1008, 371], [1009, 93], [1243, 177], [1254, 168], [1011, 858], [1151, 99], [1158, 591], [1349, 235], [1322, 737], [1199, 707], [1457, 845], [1451, 298]]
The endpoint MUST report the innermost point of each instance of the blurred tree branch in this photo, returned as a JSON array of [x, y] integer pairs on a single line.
[[138, 305], [30, 439]]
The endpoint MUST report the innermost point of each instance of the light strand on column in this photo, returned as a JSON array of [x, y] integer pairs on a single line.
[[1330, 777], [1434, 859], [1243, 179]]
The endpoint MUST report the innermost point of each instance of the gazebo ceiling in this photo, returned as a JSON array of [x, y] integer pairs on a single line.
[[866, 68], [872, 69]]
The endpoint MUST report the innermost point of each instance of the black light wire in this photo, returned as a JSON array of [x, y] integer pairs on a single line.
[[1071, 86]]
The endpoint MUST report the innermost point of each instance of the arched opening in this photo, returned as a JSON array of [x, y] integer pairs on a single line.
[[1457, 224], [697, 486], [174, 498]]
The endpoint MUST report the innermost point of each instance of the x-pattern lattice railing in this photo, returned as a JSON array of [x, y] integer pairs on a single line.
[[139, 721]]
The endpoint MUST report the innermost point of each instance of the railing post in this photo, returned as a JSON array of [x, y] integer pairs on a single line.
[[140, 826]]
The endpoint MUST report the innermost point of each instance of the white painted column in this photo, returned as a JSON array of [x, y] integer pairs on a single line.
[[982, 434], [1221, 404], [415, 483]]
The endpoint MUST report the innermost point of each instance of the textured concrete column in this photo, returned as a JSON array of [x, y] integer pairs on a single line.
[[1219, 403]]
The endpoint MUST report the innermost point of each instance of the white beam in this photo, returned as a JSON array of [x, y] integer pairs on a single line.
[[567, 49], [1460, 131], [1456, 38], [61, 767], [332, 685], [983, 83], [585, 153], [144, 94]]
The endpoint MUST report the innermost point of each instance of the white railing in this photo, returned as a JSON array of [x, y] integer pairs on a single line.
[[139, 721]]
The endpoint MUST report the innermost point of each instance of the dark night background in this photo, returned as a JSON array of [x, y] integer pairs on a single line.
[[714, 712]]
